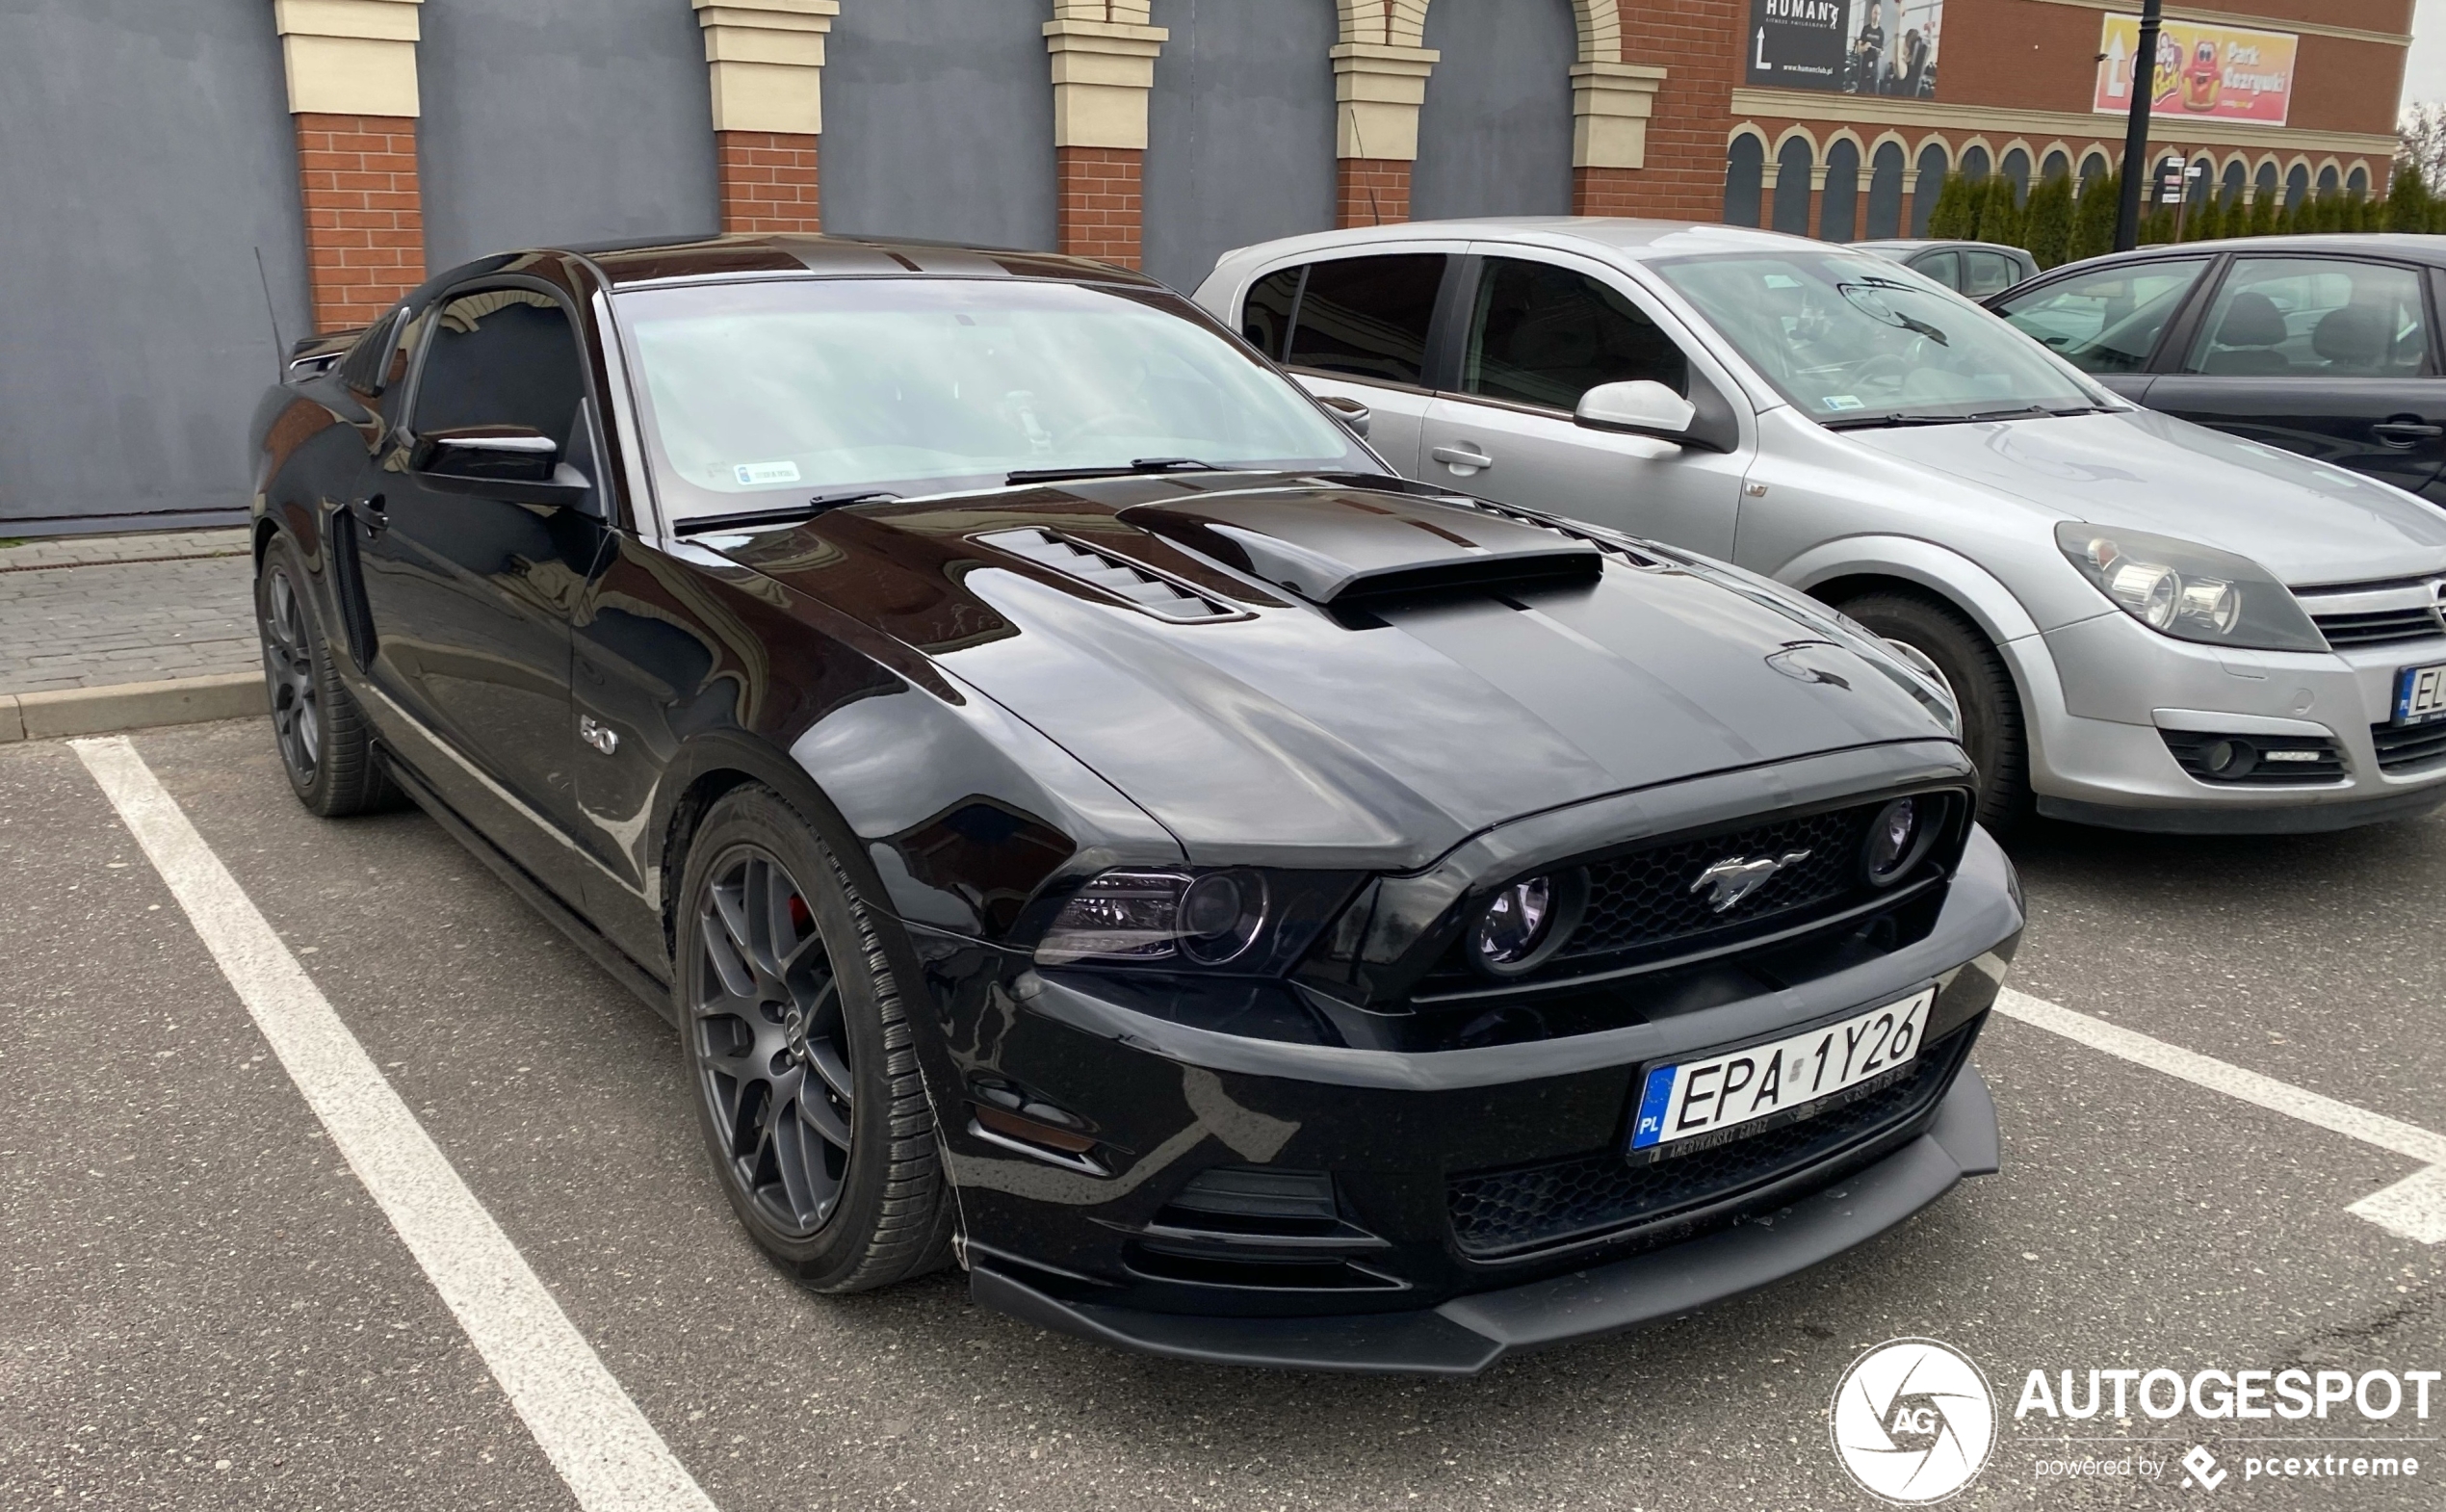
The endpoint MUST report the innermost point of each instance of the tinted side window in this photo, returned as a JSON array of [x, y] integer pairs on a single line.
[[1367, 316], [1943, 267], [1265, 319], [1983, 274], [1546, 335], [2287, 317], [2107, 321], [501, 358]]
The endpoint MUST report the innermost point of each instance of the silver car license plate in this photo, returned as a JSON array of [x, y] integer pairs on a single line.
[[1709, 1099], [2420, 694]]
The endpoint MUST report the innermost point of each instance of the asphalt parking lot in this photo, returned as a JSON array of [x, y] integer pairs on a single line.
[[201, 1307]]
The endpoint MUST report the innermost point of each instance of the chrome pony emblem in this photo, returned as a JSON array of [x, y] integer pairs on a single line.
[[1735, 879]]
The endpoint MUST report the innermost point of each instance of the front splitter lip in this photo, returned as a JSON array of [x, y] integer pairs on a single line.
[[1468, 1334]]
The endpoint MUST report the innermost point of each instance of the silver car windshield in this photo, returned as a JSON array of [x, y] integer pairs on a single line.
[[761, 395], [1856, 341]]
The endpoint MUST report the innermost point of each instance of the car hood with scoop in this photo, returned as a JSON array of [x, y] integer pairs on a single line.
[[2309, 522], [1323, 671]]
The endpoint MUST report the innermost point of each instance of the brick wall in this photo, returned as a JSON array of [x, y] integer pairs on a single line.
[[1370, 191], [1607, 192], [1698, 42], [1100, 204], [364, 214], [767, 180]]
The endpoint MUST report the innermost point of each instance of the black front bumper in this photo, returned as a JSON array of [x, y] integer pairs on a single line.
[[1469, 1333]]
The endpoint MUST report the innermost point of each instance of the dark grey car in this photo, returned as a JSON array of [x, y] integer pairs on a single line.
[[2322, 345]]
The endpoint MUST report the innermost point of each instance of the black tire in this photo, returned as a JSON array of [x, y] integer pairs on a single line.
[[803, 1061], [324, 745], [1991, 727]]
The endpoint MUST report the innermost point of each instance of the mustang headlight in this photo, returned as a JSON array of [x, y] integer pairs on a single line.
[[1237, 918], [2190, 592]]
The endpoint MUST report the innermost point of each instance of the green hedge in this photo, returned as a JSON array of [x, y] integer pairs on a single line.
[[2056, 224]]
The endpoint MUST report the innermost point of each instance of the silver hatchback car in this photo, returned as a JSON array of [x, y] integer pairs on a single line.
[[2147, 624]]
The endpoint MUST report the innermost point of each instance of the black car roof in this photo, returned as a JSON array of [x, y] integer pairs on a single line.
[[2402, 246], [764, 254]]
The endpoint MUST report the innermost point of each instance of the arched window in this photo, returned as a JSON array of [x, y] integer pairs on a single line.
[[2326, 180], [1886, 192], [1838, 209], [1930, 183], [2017, 167], [2358, 185], [2056, 166], [2230, 190], [2297, 185], [1974, 164], [1744, 170], [2092, 169], [2201, 181], [1792, 163]]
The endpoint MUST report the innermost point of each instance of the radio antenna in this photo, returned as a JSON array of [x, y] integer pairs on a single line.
[[279, 353]]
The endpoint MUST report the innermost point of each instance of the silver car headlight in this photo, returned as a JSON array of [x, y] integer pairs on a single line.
[[2190, 592]]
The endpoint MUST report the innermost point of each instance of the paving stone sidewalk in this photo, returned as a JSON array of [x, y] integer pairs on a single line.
[[93, 610]]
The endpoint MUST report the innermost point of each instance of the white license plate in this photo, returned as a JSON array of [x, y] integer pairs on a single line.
[[1699, 1098], [2420, 694]]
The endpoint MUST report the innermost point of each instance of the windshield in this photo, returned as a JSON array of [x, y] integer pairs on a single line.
[[768, 394], [1852, 340]]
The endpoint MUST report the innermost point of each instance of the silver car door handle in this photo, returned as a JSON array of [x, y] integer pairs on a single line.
[[1460, 456]]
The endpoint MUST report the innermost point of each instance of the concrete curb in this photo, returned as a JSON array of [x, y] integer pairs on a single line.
[[130, 706]]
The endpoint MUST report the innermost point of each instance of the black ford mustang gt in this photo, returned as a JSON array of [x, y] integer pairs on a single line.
[[1089, 821]]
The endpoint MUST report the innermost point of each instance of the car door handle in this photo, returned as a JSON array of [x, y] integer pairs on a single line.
[[1460, 456], [368, 513], [2406, 432]]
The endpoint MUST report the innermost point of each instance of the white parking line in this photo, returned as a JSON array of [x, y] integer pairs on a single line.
[[2414, 1208], [587, 1426]]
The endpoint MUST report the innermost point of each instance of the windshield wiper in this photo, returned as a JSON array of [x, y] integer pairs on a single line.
[[1908, 418], [1143, 466], [779, 515]]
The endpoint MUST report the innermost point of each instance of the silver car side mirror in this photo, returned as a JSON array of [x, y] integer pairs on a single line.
[[1349, 411], [1643, 407]]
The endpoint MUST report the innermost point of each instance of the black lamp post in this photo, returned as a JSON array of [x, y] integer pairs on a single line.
[[2128, 214]]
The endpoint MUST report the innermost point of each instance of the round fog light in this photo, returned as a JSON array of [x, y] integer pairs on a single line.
[[1525, 922], [1898, 836]]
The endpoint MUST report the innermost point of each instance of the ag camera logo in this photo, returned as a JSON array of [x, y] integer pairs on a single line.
[[1913, 1421]]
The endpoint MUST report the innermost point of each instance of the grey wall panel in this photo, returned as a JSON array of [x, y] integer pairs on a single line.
[[562, 120], [1495, 136], [1240, 130], [146, 155], [939, 121]]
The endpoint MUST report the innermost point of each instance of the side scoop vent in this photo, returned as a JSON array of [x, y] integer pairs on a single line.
[[1158, 596]]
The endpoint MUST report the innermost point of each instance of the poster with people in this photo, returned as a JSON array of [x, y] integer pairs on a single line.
[[1849, 46]]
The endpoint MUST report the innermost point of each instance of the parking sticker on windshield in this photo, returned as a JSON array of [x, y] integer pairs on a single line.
[[758, 475], [1845, 402]]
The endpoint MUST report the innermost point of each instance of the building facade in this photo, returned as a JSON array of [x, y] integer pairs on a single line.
[[192, 184]]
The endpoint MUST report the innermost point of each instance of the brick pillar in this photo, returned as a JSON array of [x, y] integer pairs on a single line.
[[1611, 103], [1371, 190], [1681, 65], [765, 61], [1104, 53], [350, 71], [1098, 212], [767, 180], [364, 214], [1380, 79]]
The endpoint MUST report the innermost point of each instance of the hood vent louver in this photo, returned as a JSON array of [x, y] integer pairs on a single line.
[[1158, 596]]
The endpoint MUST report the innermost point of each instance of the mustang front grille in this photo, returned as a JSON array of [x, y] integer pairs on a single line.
[[1652, 897], [1501, 1213]]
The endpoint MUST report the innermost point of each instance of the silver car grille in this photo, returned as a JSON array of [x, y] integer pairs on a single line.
[[2354, 615]]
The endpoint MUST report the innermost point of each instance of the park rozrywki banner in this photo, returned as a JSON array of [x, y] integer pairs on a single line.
[[2212, 72]]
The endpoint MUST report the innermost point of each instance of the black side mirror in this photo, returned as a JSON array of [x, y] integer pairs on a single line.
[[512, 462]]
